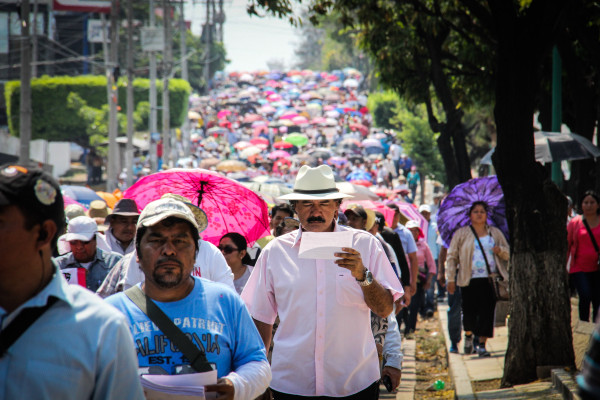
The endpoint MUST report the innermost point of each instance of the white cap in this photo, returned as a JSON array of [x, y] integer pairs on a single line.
[[80, 228], [162, 209], [424, 207], [412, 224]]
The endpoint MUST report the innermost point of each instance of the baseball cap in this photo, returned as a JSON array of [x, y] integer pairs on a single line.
[[34, 191], [414, 224], [359, 210], [80, 228], [424, 207], [161, 209], [199, 214]]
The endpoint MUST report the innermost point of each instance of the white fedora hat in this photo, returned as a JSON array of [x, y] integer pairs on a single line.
[[315, 184]]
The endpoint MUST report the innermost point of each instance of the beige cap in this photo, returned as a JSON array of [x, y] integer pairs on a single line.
[[162, 209]]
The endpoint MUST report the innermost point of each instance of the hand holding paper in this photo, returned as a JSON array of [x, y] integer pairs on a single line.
[[352, 260]]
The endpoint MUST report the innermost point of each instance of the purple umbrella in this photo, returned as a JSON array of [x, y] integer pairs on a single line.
[[453, 211]]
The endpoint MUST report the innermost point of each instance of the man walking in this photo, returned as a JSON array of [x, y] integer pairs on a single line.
[[210, 314], [315, 352], [57, 341], [121, 230]]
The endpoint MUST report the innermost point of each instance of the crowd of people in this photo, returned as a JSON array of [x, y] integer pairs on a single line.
[[96, 300]]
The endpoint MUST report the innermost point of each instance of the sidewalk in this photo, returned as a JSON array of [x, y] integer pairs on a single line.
[[469, 371], [406, 390]]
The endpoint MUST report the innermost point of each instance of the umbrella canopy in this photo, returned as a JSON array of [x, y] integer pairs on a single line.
[[321, 153], [241, 145], [358, 175], [81, 194], [337, 161], [231, 166], [350, 143], [209, 162], [555, 146], [282, 145], [229, 205], [356, 191], [260, 142], [274, 155], [410, 212], [109, 198], [250, 151], [297, 139], [371, 143], [453, 211], [269, 189], [68, 201], [355, 158]]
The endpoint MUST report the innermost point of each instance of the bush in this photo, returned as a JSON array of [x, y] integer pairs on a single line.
[[53, 115]]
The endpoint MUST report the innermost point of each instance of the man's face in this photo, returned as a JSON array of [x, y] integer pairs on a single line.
[[426, 215], [123, 227], [355, 221], [16, 242], [83, 251], [278, 218], [395, 220], [317, 215], [167, 254]]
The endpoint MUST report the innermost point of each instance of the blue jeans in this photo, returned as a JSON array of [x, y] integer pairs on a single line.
[[454, 315], [588, 289]]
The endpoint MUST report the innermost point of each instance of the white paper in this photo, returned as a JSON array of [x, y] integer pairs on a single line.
[[323, 245], [186, 386]]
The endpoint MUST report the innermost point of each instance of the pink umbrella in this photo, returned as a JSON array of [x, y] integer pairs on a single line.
[[274, 97], [318, 120], [267, 109], [411, 212], [290, 116], [242, 145], [260, 142], [299, 120], [274, 155], [68, 201], [223, 113], [230, 207]]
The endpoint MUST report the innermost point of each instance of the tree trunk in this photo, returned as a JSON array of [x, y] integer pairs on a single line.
[[539, 325]]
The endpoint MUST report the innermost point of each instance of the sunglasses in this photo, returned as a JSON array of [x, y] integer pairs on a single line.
[[227, 249]]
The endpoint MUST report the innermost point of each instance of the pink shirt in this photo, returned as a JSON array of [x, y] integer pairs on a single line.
[[323, 345], [581, 249], [424, 256]]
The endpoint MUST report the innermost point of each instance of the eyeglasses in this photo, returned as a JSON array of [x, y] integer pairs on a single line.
[[290, 222], [227, 249]]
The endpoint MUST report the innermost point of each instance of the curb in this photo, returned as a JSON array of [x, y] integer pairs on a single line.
[[565, 384], [458, 370]]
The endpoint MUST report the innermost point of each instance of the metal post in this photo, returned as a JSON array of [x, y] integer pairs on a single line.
[[153, 117], [167, 59], [25, 101], [208, 38], [130, 106], [183, 32], [557, 175], [113, 161], [34, 41]]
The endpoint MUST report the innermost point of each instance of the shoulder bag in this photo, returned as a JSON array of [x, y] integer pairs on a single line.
[[498, 283], [196, 356], [589, 231]]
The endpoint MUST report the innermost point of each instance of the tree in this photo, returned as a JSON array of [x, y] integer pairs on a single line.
[[497, 47]]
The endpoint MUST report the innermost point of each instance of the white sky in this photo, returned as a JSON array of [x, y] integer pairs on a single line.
[[250, 41]]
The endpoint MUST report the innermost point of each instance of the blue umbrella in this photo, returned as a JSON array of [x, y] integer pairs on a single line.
[[81, 194], [359, 175], [453, 211]]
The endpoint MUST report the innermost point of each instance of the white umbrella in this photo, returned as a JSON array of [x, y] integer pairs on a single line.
[[351, 83], [250, 151], [358, 192]]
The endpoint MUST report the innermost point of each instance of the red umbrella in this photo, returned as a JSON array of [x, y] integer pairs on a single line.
[[361, 128], [362, 182], [282, 145], [260, 142], [230, 206]]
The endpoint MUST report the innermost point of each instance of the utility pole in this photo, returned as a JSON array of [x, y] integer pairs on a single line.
[[167, 65], [34, 41], [183, 32], [129, 145], [153, 117], [25, 101], [113, 161], [208, 38]]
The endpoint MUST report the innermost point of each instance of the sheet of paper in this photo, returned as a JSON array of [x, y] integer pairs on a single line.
[[323, 245], [187, 386]]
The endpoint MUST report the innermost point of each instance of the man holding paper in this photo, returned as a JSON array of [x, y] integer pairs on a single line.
[[323, 292], [219, 331]]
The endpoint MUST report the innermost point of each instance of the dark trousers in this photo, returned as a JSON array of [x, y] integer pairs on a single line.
[[588, 289], [478, 307], [454, 315], [370, 393], [413, 309]]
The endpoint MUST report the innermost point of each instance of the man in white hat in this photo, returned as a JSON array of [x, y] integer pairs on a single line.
[[86, 256], [324, 345]]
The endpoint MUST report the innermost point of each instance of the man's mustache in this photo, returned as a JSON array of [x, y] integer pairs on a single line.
[[315, 219], [169, 260]]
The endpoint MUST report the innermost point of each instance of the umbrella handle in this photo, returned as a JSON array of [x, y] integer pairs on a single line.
[[201, 192]]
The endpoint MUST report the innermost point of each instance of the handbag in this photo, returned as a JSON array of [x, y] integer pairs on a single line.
[[589, 231], [498, 283], [196, 356]]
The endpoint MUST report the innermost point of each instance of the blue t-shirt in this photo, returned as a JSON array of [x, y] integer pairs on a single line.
[[407, 239], [212, 315]]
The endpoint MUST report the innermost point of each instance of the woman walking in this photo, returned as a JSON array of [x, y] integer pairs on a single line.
[[583, 236], [476, 251]]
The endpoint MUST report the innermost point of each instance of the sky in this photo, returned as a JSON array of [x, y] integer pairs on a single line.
[[250, 42]]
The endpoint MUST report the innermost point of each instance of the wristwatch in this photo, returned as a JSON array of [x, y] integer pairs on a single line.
[[367, 280]]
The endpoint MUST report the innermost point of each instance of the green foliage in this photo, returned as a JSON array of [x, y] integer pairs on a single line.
[[383, 107], [59, 116], [420, 142]]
